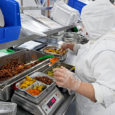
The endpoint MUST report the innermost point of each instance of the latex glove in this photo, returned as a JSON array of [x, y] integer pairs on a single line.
[[67, 45], [65, 78]]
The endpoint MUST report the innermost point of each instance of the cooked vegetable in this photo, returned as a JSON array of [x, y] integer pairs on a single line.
[[36, 90], [33, 91], [53, 60], [27, 82], [51, 73]]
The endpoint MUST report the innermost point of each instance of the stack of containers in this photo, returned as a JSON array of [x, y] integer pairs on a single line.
[[11, 13]]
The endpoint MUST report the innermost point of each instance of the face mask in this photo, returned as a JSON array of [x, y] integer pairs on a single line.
[[84, 33]]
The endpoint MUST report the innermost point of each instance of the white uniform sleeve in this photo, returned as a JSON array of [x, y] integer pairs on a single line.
[[103, 67]]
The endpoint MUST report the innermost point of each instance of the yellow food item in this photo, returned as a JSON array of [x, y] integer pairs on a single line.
[[36, 87], [41, 87], [28, 78], [50, 73], [23, 86], [27, 82]]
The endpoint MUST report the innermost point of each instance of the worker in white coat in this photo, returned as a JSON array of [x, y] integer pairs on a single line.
[[94, 79]]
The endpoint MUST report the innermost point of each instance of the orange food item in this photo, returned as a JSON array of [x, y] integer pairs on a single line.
[[53, 60], [33, 91]]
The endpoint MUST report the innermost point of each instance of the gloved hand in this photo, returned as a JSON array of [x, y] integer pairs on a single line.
[[67, 45], [65, 78]]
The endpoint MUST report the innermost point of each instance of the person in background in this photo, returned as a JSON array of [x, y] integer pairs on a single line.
[[94, 78]]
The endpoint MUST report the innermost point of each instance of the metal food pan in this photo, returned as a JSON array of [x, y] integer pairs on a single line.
[[6, 91], [24, 56], [62, 57], [44, 93], [70, 67], [33, 75], [39, 83]]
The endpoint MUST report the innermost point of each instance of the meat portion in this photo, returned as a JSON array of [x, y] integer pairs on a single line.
[[13, 68], [44, 79]]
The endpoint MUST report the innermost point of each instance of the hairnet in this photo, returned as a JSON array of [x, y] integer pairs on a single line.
[[98, 18]]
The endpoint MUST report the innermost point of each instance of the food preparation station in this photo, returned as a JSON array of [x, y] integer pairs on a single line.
[[22, 75], [52, 100]]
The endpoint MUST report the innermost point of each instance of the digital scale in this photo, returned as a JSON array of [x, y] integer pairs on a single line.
[[45, 105]]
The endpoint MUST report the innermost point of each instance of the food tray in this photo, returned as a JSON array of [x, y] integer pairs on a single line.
[[33, 75], [36, 83], [70, 67], [61, 56], [24, 56]]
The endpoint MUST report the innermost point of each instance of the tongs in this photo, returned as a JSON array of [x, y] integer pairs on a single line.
[[41, 58]]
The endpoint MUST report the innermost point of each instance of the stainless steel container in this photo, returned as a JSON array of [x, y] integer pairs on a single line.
[[70, 67], [8, 108], [25, 57], [61, 56], [37, 98]]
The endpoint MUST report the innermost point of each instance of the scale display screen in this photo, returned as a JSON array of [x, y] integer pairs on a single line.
[[51, 102]]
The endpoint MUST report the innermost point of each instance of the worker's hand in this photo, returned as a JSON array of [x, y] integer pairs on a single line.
[[65, 78], [67, 45]]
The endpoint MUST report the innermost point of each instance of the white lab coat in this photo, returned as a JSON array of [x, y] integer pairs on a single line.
[[95, 63]]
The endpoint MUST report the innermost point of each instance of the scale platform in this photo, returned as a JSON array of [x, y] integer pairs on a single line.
[[47, 105]]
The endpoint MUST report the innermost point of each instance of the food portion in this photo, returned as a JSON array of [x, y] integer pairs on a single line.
[[54, 50], [27, 82], [13, 68], [36, 89], [50, 72], [53, 60], [44, 79]]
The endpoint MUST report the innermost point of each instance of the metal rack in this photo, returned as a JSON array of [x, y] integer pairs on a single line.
[[32, 37], [40, 5]]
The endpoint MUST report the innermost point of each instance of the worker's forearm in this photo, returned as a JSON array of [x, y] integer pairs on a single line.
[[87, 90]]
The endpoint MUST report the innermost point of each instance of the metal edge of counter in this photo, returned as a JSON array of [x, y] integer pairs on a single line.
[[64, 107]]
